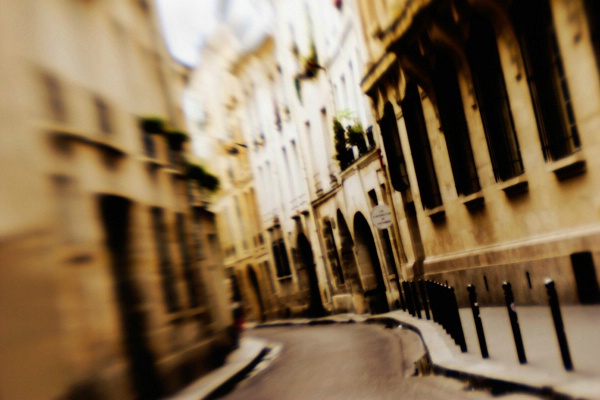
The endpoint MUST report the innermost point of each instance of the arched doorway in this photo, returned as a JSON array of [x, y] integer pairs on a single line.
[[256, 288], [307, 264], [370, 268], [349, 266], [332, 253], [348, 260]]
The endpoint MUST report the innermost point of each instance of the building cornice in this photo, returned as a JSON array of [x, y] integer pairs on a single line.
[[376, 71]]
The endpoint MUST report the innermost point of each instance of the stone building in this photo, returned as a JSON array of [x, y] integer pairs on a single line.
[[474, 126], [218, 119], [275, 109], [343, 159], [106, 290], [489, 112]]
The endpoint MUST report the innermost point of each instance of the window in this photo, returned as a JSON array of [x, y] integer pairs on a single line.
[[54, 97], [281, 259], [393, 149], [103, 115], [454, 125], [420, 148], [149, 146], [277, 114], [494, 105], [546, 76], [165, 266], [242, 222], [186, 262], [592, 8], [370, 138]]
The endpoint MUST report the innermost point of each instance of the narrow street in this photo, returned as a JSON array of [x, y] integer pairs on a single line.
[[347, 362]]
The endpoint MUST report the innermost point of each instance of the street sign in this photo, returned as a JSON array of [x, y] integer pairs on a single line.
[[381, 216]]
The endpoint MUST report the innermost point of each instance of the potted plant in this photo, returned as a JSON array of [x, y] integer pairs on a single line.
[[152, 125], [176, 139], [343, 154], [205, 179], [356, 137]]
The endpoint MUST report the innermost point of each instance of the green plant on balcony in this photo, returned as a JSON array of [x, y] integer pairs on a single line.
[[152, 125], [176, 139], [205, 179], [356, 137], [343, 152], [347, 138]]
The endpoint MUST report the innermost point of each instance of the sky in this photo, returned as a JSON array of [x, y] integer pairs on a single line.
[[185, 23]]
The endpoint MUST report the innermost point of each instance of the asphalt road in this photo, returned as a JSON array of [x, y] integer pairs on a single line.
[[347, 361]]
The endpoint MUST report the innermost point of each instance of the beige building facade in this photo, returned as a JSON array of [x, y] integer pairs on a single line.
[[104, 285], [489, 113]]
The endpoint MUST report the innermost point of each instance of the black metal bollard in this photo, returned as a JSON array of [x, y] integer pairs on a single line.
[[459, 335], [514, 321], [424, 298], [401, 295], [442, 313], [477, 320], [558, 324], [415, 293], [443, 310], [432, 297], [409, 298]]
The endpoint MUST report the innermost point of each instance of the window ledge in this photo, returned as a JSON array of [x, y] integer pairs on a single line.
[[76, 254], [171, 169], [436, 214], [153, 162], [473, 201], [515, 186], [62, 134], [181, 315], [569, 166]]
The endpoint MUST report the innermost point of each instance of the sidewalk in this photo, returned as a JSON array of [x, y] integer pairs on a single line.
[[250, 351], [544, 373], [544, 366]]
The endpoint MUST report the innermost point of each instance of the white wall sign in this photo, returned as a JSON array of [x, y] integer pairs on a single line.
[[381, 216]]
